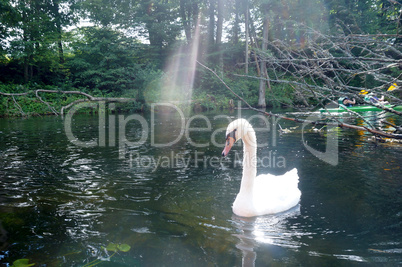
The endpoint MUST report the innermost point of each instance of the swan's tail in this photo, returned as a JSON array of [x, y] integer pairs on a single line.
[[293, 192], [292, 175], [286, 182]]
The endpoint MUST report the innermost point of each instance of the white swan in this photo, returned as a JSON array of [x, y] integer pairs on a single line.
[[265, 194]]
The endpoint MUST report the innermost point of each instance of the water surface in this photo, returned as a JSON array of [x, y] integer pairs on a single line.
[[61, 203]]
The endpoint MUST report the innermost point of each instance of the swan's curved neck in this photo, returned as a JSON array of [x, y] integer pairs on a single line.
[[249, 162]]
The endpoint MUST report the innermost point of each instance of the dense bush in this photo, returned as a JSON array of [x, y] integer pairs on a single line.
[[104, 60]]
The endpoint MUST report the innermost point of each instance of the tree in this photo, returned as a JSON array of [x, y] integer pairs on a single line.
[[265, 30], [219, 22], [8, 18], [27, 34], [246, 25], [211, 23], [359, 16], [60, 20], [160, 21], [326, 69], [189, 12], [32, 30], [104, 13], [104, 60]]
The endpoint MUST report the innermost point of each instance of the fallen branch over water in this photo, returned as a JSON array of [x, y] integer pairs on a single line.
[[88, 98], [375, 132]]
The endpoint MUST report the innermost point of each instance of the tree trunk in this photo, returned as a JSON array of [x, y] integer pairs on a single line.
[[186, 20], [195, 10], [219, 30], [247, 36], [31, 67], [61, 52], [211, 25], [262, 89], [59, 32], [25, 38], [219, 23], [26, 70], [237, 23]]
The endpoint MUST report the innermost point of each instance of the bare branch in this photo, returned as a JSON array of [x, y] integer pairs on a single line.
[[18, 106], [372, 130], [46, 103], [88, 98], [13, 94]]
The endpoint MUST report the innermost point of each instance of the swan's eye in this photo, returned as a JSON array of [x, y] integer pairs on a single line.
[[232, 134]]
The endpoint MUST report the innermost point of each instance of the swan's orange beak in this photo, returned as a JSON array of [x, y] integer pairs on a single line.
[[229, 143]]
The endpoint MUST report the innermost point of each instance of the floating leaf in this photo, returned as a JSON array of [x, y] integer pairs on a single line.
[[22, 263], [111, 247], [114, 247], [124, 247]]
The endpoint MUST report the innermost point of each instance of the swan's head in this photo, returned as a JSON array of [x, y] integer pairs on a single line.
[[236, 130]]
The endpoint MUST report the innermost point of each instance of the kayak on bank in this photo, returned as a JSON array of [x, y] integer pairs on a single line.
[[361, 108]]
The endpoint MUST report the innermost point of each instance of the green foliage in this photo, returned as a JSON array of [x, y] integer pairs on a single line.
[[205, 101], [360, 16], [234, 78], [110, 247], [109, 60], [280, 94], [30, 105], [160, 20], [32, 38], [148, 85], [244, 87], [153, 87], [117, 247], [22, 263], [104, 60]]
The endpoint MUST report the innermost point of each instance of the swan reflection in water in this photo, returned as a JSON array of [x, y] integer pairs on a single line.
[[269, 229]]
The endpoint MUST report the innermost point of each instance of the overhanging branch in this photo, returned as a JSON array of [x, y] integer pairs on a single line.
[[376, 132], [87, 99]]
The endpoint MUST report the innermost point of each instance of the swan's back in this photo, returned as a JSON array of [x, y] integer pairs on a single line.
[[271, 194]]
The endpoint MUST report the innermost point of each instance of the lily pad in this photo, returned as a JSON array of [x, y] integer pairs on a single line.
[[114, 247], [124, 247], [111, 247], [22, 263]]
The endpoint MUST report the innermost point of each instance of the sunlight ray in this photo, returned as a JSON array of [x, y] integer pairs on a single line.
[[177, 85]]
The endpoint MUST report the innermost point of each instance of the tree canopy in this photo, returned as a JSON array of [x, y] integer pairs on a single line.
[[286, 48]]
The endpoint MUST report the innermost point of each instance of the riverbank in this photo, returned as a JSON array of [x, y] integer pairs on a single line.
[[41, 102], [31, 105]]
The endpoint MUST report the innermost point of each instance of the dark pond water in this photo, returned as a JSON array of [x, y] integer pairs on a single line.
[[147, 182]]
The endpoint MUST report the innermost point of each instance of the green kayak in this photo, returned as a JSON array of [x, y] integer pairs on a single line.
[[358, 108]]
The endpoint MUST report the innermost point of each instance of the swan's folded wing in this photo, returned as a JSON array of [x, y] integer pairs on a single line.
[[277, 193]]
